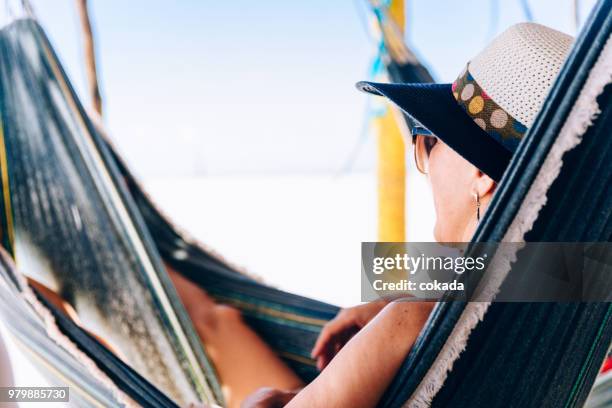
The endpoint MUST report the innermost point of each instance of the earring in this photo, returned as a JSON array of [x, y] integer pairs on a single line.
[[477, 207]]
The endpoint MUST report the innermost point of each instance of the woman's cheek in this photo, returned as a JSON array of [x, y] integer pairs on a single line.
[[446, 180], [438, 179], [441, 178]]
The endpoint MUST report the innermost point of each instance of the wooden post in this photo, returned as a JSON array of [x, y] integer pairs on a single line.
[[90, 56], [576, 13]]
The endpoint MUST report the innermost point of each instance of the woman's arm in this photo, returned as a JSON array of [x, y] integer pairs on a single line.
[[339, 330], [364, 368]]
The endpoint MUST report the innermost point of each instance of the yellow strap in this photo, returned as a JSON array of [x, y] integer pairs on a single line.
[[391, 163]]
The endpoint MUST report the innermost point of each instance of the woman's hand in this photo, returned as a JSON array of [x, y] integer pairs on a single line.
[[268, 398], [338, 331]]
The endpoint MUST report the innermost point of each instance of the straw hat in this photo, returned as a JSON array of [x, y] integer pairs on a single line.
[[484, 114]]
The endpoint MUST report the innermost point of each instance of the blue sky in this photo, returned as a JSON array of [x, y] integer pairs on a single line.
[[234, 87]]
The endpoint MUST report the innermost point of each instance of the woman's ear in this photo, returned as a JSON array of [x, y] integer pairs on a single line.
[[484, 185]]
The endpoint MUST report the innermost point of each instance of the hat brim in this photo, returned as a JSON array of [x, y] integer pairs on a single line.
[[434, 106]]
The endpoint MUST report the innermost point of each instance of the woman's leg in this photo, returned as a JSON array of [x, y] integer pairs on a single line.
[[243, 360]]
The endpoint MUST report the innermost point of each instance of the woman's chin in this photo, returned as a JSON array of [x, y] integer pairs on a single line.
[[438, 235], [441, 235]]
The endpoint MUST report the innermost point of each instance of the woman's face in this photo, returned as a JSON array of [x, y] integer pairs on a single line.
[[452, 181]]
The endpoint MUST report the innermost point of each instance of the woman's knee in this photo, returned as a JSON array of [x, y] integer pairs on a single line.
[[209, 317], [227, 313]]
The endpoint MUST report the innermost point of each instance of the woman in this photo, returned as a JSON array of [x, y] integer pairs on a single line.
[[478, 122]]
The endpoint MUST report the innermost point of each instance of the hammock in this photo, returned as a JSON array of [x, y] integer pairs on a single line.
[[77, 230], [74, 218], [601, 394]]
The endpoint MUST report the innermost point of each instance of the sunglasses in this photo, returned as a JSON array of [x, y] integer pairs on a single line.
[[424, 142]]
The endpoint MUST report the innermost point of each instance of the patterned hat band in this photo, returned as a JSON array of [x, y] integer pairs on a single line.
[[486, 113]]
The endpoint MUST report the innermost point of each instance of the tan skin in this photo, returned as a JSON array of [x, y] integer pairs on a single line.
[[370, 338]]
